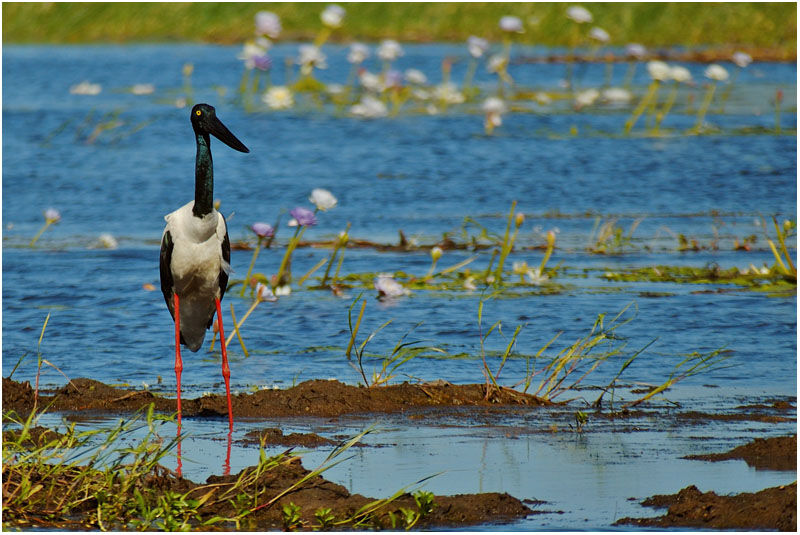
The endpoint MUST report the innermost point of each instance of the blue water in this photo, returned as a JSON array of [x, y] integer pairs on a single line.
[[423, 175]]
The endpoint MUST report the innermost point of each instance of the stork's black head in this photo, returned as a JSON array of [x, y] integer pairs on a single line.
[[204, 121]]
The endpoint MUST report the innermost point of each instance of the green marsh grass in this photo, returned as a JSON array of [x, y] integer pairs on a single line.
[[402, 352], [104, 479], [757, 25]]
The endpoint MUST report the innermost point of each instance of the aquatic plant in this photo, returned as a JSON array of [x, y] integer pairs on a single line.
[[508, 240], [477, 47], [580, 16], [494, 108], [659, 72], [717, 74], [401, 353], [780, 252], [741, 60], [635, 53], [490, 376], [692, 364], [609, 238], [679, 75], [263, 231], [302, 218], [51, 217]]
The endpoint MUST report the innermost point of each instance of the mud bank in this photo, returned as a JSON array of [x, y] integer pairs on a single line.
[[311, 398], [773, 508]]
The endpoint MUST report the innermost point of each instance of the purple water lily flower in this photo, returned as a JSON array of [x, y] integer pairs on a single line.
[[303, 216], [262, 63], [263, 230]]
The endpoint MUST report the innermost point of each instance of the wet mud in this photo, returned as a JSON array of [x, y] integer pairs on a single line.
[[773, 508], [776, 453], [311, 398]]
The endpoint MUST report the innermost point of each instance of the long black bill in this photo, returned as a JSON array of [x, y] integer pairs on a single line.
[[221, 132]]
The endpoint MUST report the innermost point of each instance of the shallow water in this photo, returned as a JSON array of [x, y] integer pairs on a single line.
[[422, 174]]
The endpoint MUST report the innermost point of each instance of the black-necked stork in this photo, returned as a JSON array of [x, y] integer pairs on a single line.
[[196, 253]]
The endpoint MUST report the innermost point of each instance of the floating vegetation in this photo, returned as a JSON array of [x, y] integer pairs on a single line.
[[765, 279]]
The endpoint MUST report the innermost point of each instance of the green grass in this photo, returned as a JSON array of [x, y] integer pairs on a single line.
[[746, 25]]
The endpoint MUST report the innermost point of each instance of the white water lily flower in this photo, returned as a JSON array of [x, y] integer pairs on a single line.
[[107, 241], [542, 98], [635, 50], [680, 73], [742, 59], [388, 287], [283, 290], [469, 283], [511, 24], [535, 277], [143, 89], [416, 76], [371, 82], [496, 63], [312, 56], [51, 215], [448, 93], [332, 16], [494, 108], [268, 23], [85, 88], [493, 105], [599, 34], [322, 199], [369, 107], [279, 97], [658, 70], [389, 50], [586, 97], [579, 14], [477, 46], [519, 267], [716, 72], [358, 53], [617, 94]]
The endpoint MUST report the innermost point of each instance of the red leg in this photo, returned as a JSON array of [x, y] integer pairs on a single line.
[[178, 361], [226, 371]]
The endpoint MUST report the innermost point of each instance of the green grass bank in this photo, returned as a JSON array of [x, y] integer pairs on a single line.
[[749, 26]]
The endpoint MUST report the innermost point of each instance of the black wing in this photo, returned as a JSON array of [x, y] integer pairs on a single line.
[[165, 261], [226, 256]]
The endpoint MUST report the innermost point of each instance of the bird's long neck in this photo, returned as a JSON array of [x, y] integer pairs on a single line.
[[203, 177]]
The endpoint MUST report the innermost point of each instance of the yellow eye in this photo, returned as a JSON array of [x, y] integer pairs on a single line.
[[198, 112]]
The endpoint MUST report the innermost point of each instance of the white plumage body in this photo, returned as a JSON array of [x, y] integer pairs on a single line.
[[196, 263]]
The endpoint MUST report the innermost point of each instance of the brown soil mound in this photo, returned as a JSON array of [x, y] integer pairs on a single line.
[[776, 453], [773, 508], [311, 398], [274, 437]]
